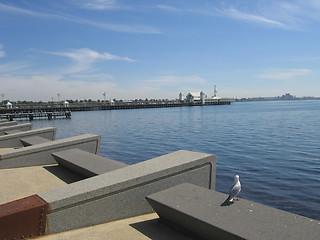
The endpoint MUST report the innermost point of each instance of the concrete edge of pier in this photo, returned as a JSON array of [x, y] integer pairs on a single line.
[[207, 214], [40, 154], [8, 123], [121, 193], [20, 127], [14, 140]]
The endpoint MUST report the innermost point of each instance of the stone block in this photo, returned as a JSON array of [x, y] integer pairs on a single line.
[[8, 123], [86, 164], [34, 140], [14, 140], [121, 193], [40, 154], [204, 213], [20, 127]]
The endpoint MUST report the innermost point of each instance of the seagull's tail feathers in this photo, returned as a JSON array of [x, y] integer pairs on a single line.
[[229, 199]]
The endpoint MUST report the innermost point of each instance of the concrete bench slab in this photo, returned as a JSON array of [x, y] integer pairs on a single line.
[[86, 164], [13, 140], [20, 127], [121, 193], [11, 132], [202, 212], [10, 123], [40, 154], [33, 140]]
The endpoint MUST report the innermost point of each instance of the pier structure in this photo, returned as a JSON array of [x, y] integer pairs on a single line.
[[64, 111], [63, 189], [13, 115]]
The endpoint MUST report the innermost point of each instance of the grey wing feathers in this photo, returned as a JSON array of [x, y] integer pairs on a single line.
[[234, 190]]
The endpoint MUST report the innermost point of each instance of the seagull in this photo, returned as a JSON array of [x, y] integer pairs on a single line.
[[235, 189]]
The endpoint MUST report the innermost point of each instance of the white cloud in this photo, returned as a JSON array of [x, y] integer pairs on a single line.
[[64, 17], [12, 67], [83, 58], [249, 17], [97, 4], [46, 87], [2, 53], [285, 75], [172, 85], [88, 55], [293, 15]]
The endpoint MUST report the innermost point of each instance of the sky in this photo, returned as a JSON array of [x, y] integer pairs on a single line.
[[156, 49]]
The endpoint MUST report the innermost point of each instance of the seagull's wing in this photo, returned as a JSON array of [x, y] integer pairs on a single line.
[[234, 191]]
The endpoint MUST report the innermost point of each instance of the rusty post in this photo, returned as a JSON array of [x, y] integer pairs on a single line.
[[23, 218]]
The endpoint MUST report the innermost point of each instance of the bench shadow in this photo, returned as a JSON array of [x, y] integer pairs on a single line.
[[64, 174], [158, 230]]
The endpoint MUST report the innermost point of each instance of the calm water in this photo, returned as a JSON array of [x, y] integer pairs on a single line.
[[273, 146]]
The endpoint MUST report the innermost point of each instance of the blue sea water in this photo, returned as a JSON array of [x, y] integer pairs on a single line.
[[273, 146]]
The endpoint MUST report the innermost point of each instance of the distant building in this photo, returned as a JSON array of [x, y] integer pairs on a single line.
[[193, 97], [201, 97], [287, 96], [181, 97], [9, 105]]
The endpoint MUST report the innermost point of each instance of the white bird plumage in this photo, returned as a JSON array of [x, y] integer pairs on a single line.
[[235, 189]]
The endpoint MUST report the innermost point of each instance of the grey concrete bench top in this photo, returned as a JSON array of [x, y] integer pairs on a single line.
[[12, 131], [33, 140], [85, 163], [20, 127], [202, 212], [6, 124]]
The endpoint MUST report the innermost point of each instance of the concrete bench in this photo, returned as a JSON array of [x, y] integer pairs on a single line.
[[86, 164], [33, 140], [8, 123], [202, 212], [11, 132], [40, 154], [20, 127], [14, 140], [121, 193]]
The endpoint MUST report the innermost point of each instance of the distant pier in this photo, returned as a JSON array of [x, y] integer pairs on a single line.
[[35, 115], [56, 111]]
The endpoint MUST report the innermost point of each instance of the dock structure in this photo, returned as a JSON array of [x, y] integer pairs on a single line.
[[35, 115], [50, 112]]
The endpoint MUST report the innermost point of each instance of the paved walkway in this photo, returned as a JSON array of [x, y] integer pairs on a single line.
[[17, 183], [137, 228]]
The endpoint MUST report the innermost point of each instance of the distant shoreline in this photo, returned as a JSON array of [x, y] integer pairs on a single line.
[[285, 97]]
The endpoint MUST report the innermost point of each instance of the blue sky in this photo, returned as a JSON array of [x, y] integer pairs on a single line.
[[157, 49]]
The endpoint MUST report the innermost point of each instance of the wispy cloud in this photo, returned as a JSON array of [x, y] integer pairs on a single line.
[[22, 11], [285, 75], [249, 17], [12, 67], [2, 53], [97, 4], [293, 15], [83, 58], [64, 17], [226, 12], [178, 83]]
